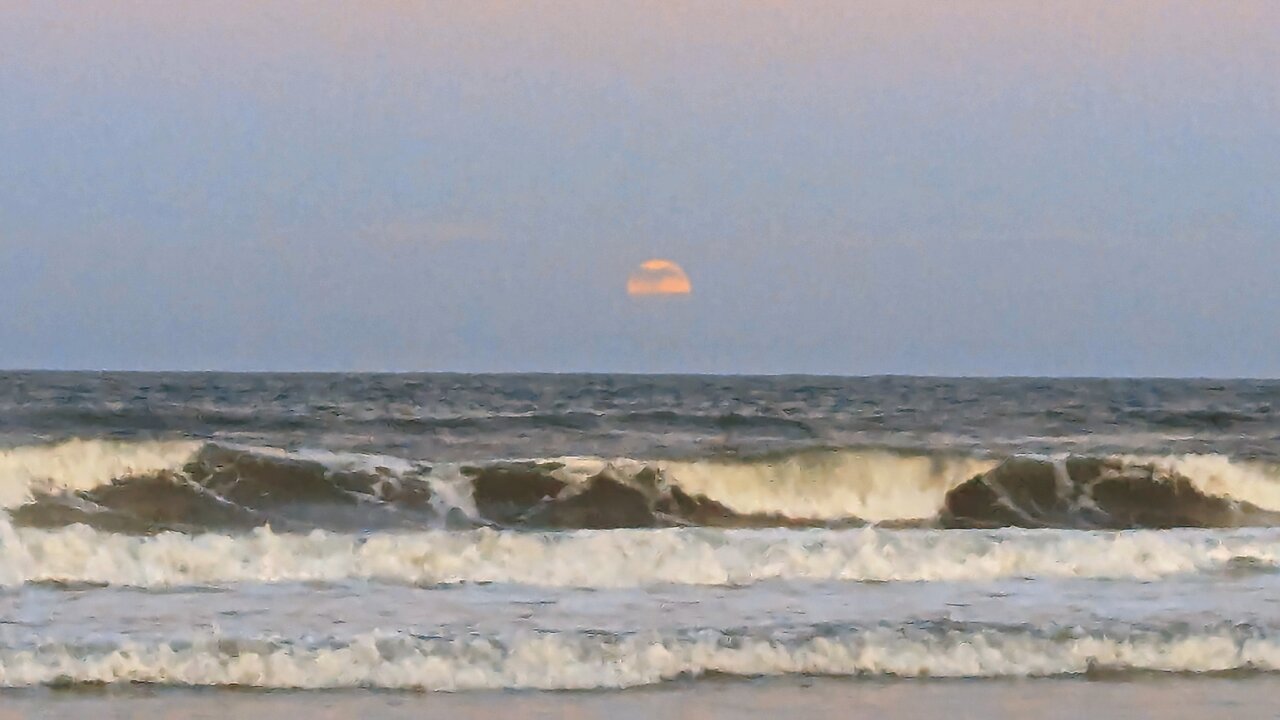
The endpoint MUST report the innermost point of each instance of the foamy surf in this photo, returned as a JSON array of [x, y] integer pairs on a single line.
[[79, 465], [589, 660], [621, 558], [463, 532], [870, 485], [193, 487]]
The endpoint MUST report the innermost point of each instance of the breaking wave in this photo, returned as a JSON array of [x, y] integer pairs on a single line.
[[622, 558], [595, 660], [192, 487]]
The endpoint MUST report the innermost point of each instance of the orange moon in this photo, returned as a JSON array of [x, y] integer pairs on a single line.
[[658, 277]]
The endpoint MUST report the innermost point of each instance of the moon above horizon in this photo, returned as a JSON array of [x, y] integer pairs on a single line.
[[658, 277]]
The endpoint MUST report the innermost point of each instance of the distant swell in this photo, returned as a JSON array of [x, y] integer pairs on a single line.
[[177, 418], [593, 660], [190, 487]]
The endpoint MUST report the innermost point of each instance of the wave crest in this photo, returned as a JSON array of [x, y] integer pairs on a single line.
[[593, 660], [620, 558], [1084, 492], [189, 487]]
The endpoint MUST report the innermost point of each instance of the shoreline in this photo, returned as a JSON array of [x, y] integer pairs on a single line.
[[1166, 697]]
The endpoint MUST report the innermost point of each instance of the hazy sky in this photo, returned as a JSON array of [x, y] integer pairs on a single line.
[[890, 187]]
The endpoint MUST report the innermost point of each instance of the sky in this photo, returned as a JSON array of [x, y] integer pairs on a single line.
[[904, 187]]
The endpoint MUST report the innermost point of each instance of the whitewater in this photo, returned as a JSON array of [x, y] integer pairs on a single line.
[[458, 533]]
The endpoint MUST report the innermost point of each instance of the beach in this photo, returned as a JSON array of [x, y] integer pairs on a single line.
[[1166, 698]]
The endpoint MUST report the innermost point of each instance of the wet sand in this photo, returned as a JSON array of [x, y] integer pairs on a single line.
[[1168, 698]]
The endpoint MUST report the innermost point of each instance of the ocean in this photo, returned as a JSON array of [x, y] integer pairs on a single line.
[[543, 545]]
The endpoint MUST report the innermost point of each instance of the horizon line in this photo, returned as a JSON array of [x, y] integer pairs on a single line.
[[633, 373]]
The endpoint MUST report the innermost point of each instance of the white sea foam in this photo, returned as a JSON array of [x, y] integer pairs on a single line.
[[451, 490], [620, 558], [79, 465], [870, 485], [590, 660], [880, 486], [1252, 482]]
